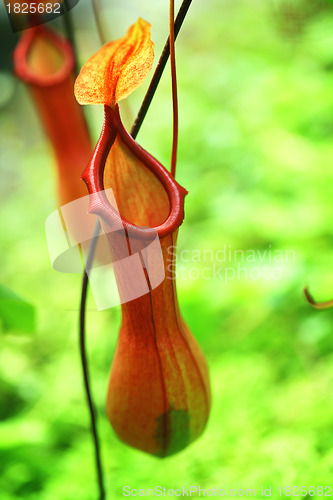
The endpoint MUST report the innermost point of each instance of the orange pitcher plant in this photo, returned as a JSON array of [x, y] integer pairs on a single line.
[[158, 397]]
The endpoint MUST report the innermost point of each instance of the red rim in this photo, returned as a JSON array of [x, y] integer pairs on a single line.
[[21, 66], [93, 177]]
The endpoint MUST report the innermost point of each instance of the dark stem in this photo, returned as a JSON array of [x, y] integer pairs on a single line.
[[86, 377], [159, 70], [174, 88], [91, 252], [69, 30]]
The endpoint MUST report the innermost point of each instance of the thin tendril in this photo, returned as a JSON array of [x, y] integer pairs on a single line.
[[91, 252], [317, 305], [69, 30], [159, 70], [92, 410], [96, 5], [174, 88]]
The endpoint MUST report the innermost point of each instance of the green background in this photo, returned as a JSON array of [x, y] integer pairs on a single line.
[[256, 155]]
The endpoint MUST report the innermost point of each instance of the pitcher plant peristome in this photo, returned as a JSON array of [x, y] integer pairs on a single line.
[[159, 397]]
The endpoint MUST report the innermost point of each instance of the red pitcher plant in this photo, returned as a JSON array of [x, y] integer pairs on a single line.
[[158, 397]]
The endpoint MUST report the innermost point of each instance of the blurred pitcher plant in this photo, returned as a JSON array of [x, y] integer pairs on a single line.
[[44, 61]]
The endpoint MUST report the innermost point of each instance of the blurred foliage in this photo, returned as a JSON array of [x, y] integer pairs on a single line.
[[256, 154], [15, 313]]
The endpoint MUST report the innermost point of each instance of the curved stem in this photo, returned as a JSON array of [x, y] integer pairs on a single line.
[[174, 88], [86, 378], [317, 305]]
